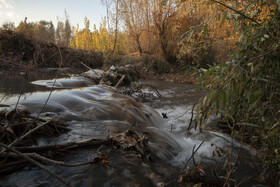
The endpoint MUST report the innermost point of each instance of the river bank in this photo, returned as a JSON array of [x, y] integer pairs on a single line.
[[18, 53]]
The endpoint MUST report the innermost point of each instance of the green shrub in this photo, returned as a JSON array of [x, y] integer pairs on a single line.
[[246, 90]]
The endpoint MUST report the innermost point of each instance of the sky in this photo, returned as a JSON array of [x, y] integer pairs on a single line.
[[48, 10]]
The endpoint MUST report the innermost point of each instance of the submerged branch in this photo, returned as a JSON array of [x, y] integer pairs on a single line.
[[193, 155], [61, 179], [69, 145], [48, 160]]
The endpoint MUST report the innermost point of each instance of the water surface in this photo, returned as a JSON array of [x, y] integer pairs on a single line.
[[96, 111]]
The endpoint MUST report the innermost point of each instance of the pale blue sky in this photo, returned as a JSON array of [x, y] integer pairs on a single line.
[[36, 10]]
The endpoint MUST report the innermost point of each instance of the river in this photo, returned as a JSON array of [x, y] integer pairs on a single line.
[[98, 111]]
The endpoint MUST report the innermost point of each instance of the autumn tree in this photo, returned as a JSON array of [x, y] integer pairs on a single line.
[[163, 12], [42, 30], [90, 41], [26, 28], [107, 4], [133, 16], [204, 35], [86, 36]]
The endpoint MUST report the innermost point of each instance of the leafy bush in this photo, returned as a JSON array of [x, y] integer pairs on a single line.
[[197, 52], [246, 90]]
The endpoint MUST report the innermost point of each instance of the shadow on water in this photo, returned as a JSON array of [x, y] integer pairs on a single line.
[[99, 111]]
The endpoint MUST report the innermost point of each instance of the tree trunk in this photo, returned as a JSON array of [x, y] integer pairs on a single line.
[[108, 20], [138, 44], [116, 26], [164, 50]]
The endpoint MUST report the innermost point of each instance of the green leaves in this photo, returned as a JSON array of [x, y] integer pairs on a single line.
[[246, 90], [224, 19], [205, 30], [164, 2], [248, 124], [190, 35]]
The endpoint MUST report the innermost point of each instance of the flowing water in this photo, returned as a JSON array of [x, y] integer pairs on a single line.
[[96, 111]]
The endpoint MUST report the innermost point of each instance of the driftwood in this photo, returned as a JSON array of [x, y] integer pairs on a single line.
[[119, 82], [138, 94], [66, 146], [86, 66]]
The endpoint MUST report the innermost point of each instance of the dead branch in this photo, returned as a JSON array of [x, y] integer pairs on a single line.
[[12, 164], [67, 183], [25, 135], [189, 127], [233, 167], [2, 105], [61, 61], [70, 145], [48, 160], [120, 81], [193, 155], [184, 114], [86, 66], [238, 12], [21, 91], [9, 168]]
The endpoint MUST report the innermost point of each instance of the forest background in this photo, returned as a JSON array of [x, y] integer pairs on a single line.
[[146, 27]]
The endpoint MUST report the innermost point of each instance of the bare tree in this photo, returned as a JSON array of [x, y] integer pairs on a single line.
[[59, 32], [67, 30], [107, 4], [63, 31], [133, 17], [162, 12], [116, 25]]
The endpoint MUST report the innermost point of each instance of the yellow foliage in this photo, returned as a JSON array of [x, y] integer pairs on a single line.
[[97, 39]]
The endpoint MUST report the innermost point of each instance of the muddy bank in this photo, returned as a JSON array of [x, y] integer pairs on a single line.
[[18, 52]]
